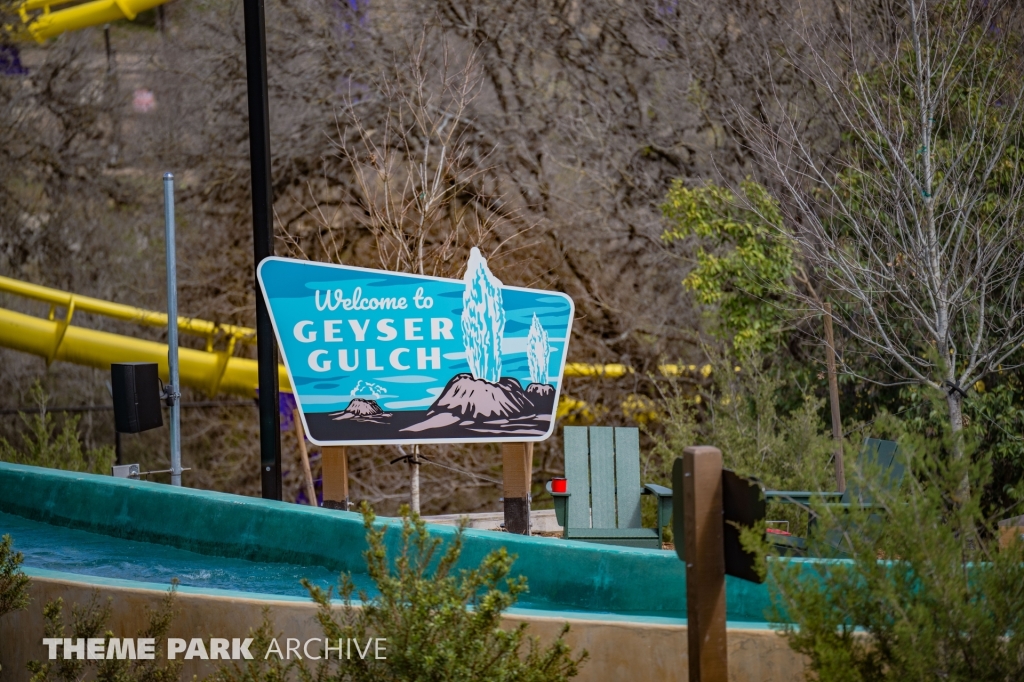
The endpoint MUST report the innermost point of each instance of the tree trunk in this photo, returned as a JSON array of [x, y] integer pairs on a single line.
[[956, 426]]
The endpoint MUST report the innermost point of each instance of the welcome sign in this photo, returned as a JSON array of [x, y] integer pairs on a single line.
[[379, 357]]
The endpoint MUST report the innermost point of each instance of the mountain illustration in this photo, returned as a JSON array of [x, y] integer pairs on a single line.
[[471, 398], [481, 406], [542, 396], [363, 411], [466, 407]]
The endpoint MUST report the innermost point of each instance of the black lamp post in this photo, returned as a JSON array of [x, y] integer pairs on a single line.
[[263, 242]]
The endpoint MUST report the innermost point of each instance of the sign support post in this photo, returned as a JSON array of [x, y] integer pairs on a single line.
[[304, 454], [334, 468], [705, 564], [517, 475]]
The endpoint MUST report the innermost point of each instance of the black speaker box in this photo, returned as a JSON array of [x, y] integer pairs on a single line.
[[136, 388]]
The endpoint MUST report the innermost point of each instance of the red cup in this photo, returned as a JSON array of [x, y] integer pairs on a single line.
[[558, 485]]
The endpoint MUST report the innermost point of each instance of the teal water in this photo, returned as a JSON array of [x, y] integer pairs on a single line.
[[57, 548], [74, 551]]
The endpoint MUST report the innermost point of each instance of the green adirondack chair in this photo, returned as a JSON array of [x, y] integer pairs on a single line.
[[876, 457], [602, 502]]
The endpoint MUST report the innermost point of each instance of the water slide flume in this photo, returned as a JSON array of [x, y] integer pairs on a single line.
[[42, 21]]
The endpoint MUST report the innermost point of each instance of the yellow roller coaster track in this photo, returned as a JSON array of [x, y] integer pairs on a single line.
[[42, 21], [213, 370]]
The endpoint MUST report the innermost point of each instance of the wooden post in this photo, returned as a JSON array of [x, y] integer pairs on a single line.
[[833, 395], [517, 476], [306, 470], [705, 564], [334, 465]]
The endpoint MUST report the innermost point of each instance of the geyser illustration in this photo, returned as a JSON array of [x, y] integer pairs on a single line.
[[368, 389], [538, 352], [483, 319]]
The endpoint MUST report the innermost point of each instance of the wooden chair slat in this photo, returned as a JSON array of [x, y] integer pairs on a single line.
[[577, 475], [587, 533], [627, 477], [602, 476]]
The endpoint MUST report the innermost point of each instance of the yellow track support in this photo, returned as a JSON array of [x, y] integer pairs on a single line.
[[85, 304], [42, 22], [212, 371]]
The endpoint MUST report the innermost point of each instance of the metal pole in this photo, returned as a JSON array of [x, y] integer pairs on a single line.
[[263, 242], [414, 463], [110, 52], [173, 395], [833, 397]]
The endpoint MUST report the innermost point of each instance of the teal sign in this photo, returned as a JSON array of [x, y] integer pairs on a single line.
[[380, 357]]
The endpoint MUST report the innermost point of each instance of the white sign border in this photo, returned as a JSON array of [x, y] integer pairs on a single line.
[[410, 441]]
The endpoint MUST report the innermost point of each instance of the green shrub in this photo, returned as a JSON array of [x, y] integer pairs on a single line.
[[261, 668], [739, 413], [924, 592], [440, 623], [89, 621], [13, 581], [45, 444]]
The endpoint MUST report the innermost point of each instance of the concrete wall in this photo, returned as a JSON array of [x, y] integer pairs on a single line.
[[649, 649], [541, 520]]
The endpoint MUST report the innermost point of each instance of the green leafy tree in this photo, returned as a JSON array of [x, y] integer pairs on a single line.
[[45, 443], [744, 265], [922, 592], [441, 623]]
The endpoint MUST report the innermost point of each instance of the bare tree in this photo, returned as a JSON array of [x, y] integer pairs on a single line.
[[916, 222], [421, 188]]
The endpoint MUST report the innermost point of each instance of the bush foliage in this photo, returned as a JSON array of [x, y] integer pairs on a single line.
[[441, 623], [13, 581], [922, 592], [89, 621], [44, 443]]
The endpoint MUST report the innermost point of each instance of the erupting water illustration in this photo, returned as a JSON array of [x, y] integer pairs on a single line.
[[483, 319], [538, 352], [368, 389]]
